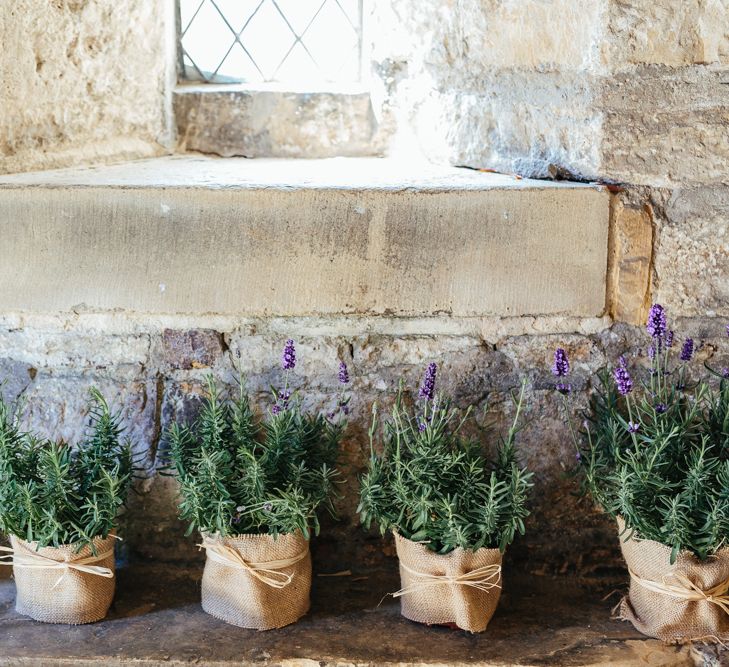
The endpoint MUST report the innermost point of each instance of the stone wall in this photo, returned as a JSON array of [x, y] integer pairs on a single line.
[[84, 81], [153, 368]]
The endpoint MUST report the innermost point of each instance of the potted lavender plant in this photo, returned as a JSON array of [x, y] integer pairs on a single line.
[[59, 505], [654, 455], [452, 511], [253, 488]]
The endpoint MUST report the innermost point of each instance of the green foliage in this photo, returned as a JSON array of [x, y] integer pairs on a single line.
[[242, 475], [670, 479], [55, 494], [433, 485]]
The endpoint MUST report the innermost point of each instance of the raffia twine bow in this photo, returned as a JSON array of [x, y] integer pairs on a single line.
[[268, 572], [685, 589], [483, 579], [22, 557]]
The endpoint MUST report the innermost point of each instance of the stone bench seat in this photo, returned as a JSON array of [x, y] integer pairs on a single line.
[[196, 234]]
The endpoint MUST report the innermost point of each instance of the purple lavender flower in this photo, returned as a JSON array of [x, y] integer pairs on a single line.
[[727, 329], [725, 372], [669, 338], [422, 426], [289, 356], [343, 373], [656, 321], [561, 366], [660, 408], [563, 388], [623, 380], [578, 457], [687, 351], [633, 427], [427, 389], [652, 352], [623, 361], [276, 409]]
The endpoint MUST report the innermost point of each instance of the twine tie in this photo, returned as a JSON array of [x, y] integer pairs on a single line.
[[268, 572], [22, 557], [687, 590], [483, 579]]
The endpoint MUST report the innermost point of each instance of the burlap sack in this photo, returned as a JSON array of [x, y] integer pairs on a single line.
[[77, 590], [256, 581], [678, 612], [461, 587]]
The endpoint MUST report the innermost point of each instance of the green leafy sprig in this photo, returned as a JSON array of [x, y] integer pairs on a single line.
[[433, 485], [55, 494], [655, 451], [239, 474]]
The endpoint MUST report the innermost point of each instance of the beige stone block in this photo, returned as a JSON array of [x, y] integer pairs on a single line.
[[631, 252], [692, 252], [231, 120], [664, 126], [82, 81], [460, 41], [270, 237], [666, 32]]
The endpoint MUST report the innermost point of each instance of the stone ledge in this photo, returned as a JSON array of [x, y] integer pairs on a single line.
[[356, 236], [157, 620]]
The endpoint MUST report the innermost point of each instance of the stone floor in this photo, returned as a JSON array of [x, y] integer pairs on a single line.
[[157, 620]]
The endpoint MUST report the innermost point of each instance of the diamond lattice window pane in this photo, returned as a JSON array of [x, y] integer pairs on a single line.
[[301, 42]]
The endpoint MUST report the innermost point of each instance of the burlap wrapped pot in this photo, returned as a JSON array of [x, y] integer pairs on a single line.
[[677, 603], [61, 585], [257, 581], [461, 587]]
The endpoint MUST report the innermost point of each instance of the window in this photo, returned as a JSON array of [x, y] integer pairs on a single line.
[[303, 42]]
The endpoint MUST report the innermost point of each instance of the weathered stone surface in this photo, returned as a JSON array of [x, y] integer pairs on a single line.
[[83, 81], [519, 122], [264, 238], [692, 251], [15, 376], [664, 126], [631, 254], [157, 620], [198, 348], [668, 33], [625, 90], [229, 121]]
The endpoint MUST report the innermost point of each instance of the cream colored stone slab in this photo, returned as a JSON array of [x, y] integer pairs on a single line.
[[486, 245]]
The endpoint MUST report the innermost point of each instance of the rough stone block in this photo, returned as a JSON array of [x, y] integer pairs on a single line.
[[229, 121], [84, 82], [669, 33], [692, 252], [199, 348], [631, 255], [665, 126]]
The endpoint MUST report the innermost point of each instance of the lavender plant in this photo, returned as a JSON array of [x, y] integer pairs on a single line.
[[434, 485], [241, 474], [654, 449], [55, 494]]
